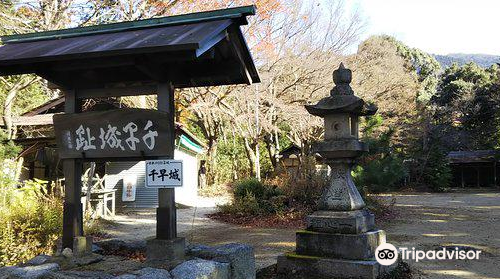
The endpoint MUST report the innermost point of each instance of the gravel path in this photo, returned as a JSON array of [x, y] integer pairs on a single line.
[[425, 221], [428, 221], [193, 224]]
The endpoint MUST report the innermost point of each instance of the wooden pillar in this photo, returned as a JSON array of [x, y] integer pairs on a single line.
[[166, 215], [495, 173], [73, 215], [477, 176], [462, 175]]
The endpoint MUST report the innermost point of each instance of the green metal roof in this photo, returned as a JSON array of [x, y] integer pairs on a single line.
[[229, 13]]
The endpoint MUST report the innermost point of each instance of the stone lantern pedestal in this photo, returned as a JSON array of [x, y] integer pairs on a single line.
[[341, 238]]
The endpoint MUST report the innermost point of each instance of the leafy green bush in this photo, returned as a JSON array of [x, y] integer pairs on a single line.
[[381, 174], [252, 197], [31, 220], [303, 189], [437, 172], [381, 169], [250, 186], [254, 187]]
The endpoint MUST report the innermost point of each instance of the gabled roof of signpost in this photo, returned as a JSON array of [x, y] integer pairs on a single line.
[[198, 49]]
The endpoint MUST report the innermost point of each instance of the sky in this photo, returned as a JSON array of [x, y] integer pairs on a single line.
[[435, 26]]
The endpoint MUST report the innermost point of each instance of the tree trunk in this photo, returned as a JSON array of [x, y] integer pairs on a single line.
[[211, 161], [234, 161], [250, 148], [7, 113], [272, 150]]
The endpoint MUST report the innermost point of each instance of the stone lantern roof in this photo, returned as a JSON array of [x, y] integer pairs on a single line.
[[342, 98]]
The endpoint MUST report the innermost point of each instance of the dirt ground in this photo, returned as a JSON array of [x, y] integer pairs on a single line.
[[429, 221], [425, 221]]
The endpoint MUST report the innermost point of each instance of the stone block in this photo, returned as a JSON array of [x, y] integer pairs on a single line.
[[77, 275], [152, 273], [293, 266], [342, 246], [201, 269], [38, 260], [240, 257], [165, 253], [33, 272], [146, 273], [346, 222], [67, 253], [87, 259], [6, 270], [82, 245]]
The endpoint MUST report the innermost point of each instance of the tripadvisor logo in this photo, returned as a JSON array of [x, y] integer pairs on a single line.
[[387, 254]]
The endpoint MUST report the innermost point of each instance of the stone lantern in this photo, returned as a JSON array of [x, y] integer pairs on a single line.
[[340, 239]]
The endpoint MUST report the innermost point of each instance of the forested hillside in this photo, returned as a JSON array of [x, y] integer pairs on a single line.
[[483, 60]]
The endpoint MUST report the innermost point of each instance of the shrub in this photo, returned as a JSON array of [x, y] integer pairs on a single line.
[[252, 197], [250, 186], [437, 173], [381, 174], [302, 189], [255, 188], [246, 205], [31, 220]]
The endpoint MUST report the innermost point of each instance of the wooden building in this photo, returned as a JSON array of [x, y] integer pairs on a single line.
[[477, 168]]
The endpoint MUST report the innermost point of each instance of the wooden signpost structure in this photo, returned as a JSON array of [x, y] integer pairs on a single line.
[[126, 59]]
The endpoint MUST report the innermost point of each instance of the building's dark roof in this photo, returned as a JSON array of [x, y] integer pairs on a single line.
[[198, 49], [476, 156], [289, 151], [172, 38]]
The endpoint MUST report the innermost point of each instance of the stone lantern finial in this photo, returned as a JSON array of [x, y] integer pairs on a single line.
[[342, 78]]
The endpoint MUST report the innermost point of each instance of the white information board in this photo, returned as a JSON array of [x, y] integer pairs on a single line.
[[163, 173]]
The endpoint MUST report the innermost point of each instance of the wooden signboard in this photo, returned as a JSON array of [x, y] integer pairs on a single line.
[[121, 133]]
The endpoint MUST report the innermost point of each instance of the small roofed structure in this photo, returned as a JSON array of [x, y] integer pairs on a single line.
[[290, 156], [477, 168], [144, 57]]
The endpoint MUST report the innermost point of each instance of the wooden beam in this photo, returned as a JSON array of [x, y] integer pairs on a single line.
[[236, 47], [117, 91], [166, 215], [495, 173], [92, 63], [72, 212], [54, 78], [204, 46], [150, 68], [462, 175], [45, 107]]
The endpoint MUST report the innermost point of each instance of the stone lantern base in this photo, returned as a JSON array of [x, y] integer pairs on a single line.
[[336, 244], [294, 266]]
